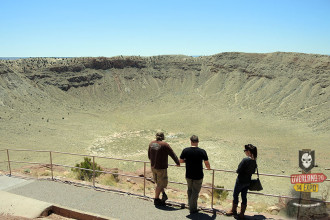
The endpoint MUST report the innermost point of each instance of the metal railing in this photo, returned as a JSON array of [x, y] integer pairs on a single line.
[[212, 187]]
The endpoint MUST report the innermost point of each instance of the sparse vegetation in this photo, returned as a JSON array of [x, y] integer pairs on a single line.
[[108, 180], [26, 171], [220, 194], [86, 171]]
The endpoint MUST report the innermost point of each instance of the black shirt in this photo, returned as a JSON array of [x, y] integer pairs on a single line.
[[245, 170], [194, 157]]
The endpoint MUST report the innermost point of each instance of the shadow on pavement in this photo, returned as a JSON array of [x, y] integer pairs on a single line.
[[201, 216], [256, 217], [167, 208]]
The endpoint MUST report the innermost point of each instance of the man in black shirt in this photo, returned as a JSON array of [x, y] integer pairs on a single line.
[[193, 157]]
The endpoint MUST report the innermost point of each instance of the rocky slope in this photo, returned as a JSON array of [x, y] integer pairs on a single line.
[[285, 84]]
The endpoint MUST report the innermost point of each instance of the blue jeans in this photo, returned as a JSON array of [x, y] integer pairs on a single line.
[[240, 188]]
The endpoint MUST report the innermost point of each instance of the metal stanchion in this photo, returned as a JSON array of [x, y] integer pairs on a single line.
[[8, 162], [93, 171], [144, 179], [212, 189], [51, 164]]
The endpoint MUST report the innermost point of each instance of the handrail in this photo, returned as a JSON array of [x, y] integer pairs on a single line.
[[144, 176], [260, 174], [27, 162], [27, 150], [75, 154], [85, 155], [141, 161], [112, 158]]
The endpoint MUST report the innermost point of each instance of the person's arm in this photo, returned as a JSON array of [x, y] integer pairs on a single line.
[[175, 158], [207, 164], [206, 160], [241, 166], [173, 155], [183, 156], [149, 152]]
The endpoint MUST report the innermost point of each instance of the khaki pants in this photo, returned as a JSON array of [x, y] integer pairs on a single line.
[[160, 177], [194, 187]]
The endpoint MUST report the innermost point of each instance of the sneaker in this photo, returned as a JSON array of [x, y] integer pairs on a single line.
[[164, 198], [158, 202]]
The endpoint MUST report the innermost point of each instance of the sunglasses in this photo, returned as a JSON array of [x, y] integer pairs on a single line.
[[245, 150]]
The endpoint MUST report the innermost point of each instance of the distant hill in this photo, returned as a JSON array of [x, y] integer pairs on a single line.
[[12, 58]]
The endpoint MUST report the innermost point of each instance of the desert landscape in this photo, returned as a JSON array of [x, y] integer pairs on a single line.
[[280, 102]]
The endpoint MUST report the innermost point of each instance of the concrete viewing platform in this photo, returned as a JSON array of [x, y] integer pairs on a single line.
[[34, 198]]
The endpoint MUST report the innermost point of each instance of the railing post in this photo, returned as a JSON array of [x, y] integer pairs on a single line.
[[144, 179], [93, 171], [212, 189], [306, 196], [8, 162], [51, 164]]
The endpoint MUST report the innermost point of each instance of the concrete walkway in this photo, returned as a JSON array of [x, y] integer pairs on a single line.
[[16, 205], [40, 194]]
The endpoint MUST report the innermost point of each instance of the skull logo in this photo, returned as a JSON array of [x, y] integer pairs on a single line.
[[306, 160]]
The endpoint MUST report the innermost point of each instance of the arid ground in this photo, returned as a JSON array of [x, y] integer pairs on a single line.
[[113, 107]]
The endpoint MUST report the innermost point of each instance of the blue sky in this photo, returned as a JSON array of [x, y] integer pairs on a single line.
[[76, 28]]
